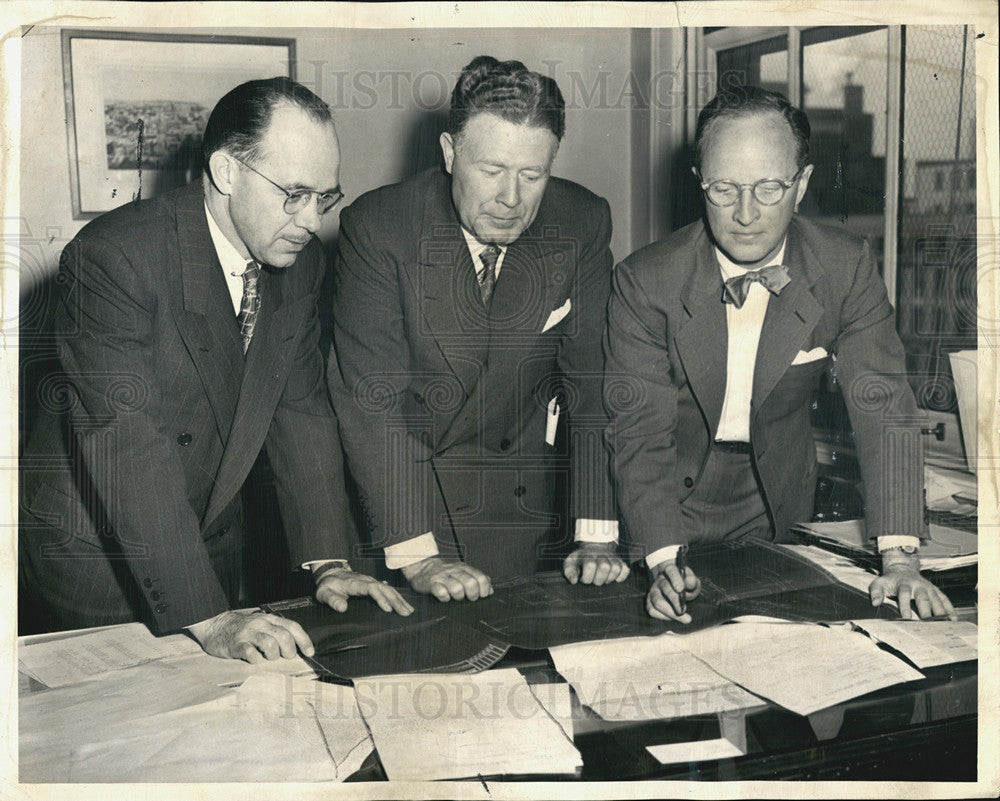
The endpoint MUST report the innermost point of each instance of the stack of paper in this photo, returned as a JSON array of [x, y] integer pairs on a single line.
[[646, 678], [454, 726], [155, 722], [802, 667], [926, 643], [841, 568]]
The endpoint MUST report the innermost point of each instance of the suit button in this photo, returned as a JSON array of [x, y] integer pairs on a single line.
[[184, 439], [160, 609], [505, 444], [223, 530], [418, 398], [147, 582], [519, 491], [154, 595], [688, 482]]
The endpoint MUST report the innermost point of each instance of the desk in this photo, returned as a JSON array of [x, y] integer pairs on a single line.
[[921, 731]]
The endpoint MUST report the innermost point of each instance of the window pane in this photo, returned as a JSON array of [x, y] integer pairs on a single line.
[[844, 94], [937, 254], [763, 63]]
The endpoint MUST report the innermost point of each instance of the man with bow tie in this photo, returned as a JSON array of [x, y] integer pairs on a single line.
[[468, 313], [188, 337], [717, 338]]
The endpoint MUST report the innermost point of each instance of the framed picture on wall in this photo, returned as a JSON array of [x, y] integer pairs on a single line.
[[137, 104]]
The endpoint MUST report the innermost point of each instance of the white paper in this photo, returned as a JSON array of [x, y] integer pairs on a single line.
[[843, 570], [58, 662], [454, 726], [646, 678], [551, 421], [802, 667], [696, 751], [157, 723], [926, 643], [964, 369]]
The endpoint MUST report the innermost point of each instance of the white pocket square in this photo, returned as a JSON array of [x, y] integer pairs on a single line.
[[803, 357], [557, 315]]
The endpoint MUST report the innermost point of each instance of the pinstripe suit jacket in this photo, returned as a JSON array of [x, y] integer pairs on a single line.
[[157, 419]]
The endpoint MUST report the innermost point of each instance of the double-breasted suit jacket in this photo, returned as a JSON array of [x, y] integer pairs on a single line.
[[137, 465], [666, 380], [444, 404]]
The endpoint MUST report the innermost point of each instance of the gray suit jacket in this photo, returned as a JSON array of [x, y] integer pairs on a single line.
[[152, 429], [443, 405], [666, 376]]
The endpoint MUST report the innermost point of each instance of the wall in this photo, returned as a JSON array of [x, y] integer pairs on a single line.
[[389, 90]]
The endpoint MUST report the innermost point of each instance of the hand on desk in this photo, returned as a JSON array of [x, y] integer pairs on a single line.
[[448, 581], [334, 587], [595, 563], [253, 636], [671, 589], [904, 582]]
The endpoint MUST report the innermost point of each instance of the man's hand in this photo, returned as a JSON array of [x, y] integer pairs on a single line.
[[670, 591], [595, 563], [334, 587], [907, 585], [448, 580], [253, 636]]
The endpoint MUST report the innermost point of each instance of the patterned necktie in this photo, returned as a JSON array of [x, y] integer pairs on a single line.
[[487, 276], [250, 304], [774, 279]]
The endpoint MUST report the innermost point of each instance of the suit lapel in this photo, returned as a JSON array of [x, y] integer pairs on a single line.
[[205, 320], [263, 374], [791, 317], [702, 342]]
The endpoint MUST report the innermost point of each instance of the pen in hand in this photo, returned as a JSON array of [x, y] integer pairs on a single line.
[[681, 562]]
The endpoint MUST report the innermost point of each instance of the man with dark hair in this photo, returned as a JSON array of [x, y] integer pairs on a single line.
[[722, 332], [469, 305], [189, 340]]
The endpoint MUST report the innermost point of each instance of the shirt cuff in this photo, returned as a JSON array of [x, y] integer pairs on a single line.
[[596, 530], [897, 541], [314, 563], [409, 552], [668, 553]]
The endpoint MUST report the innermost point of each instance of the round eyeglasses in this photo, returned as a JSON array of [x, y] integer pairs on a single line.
[[767, 191], [298, 200]]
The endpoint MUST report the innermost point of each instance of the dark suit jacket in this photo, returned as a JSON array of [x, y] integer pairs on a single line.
[[666, 375], [443, 405], [152, 430]]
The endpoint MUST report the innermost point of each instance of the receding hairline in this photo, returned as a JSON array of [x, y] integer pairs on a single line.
[[776, 118]]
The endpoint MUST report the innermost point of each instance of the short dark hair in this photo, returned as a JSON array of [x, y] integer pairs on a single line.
[[239, 120], [745, 101], [509, 90]]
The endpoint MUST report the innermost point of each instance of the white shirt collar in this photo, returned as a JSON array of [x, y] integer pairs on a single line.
[[476, 247], [730, 269], [229, 257]]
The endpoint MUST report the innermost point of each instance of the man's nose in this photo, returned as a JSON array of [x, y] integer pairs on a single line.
[[309, 217], [745, 211], [510, 192]]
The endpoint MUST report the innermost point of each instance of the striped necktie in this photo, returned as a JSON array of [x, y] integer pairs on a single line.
[[487, 276], [250, 303]]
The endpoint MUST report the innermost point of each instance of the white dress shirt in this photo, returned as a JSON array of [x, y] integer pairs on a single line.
[[233, 264]]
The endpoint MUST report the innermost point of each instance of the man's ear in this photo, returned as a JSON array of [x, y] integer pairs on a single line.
[[447, 150], [803, 184], [222, 170]]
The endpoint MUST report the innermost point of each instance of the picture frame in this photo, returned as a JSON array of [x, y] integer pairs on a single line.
[[137, 105]]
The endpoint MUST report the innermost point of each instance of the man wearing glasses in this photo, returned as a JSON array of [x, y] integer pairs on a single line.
[[722, 332], [188, 339]]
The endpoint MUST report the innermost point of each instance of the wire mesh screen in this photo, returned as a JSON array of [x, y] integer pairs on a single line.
[[937, 232]]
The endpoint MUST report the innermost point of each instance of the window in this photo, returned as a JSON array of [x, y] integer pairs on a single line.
[[893, 116]]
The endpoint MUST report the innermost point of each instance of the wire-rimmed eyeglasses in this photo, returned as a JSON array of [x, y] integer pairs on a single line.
[[296, 201], [767, 191]]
